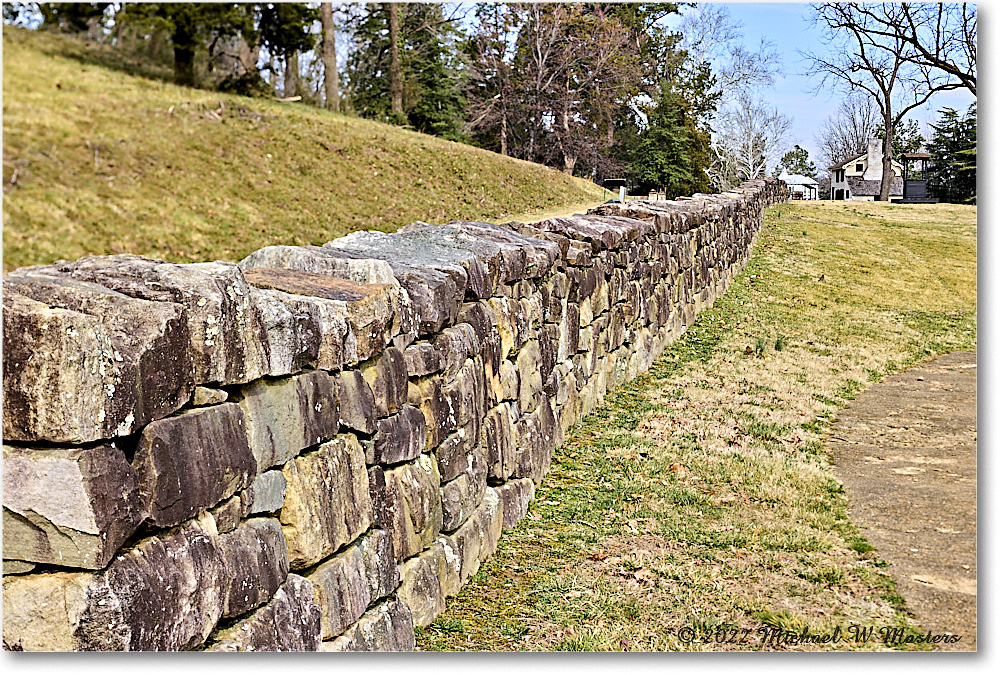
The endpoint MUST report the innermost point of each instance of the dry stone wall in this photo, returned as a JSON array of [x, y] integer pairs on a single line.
[[315, 448]]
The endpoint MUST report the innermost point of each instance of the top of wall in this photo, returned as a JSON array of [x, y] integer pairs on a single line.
[[97, 348]]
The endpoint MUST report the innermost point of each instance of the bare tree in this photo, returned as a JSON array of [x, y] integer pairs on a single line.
[[862, 58], [331, 79], [750, 136], [847, 132], [492, 95], [710, 35], [939, 35]]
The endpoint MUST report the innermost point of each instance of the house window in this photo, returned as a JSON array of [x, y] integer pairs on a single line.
[[859, 167]]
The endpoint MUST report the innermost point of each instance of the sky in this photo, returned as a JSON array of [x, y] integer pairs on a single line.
[[787, 26]]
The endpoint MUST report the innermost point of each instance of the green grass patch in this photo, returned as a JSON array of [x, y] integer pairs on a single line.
[[705, 487]]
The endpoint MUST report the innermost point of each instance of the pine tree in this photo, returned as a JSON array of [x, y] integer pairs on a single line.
[[431, 71], [796, 161], [670, 153], [285, 29], [952, 174]]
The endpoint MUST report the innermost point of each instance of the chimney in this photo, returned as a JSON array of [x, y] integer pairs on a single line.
[[874, 169]]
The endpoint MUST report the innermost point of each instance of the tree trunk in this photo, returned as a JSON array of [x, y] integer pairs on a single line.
[[292, 73], [331, 79], [569, 163], [884, 188], [395, 68], [503, 133]]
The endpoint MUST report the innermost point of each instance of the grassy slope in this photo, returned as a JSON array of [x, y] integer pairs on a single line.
[[700, 494], [108, 162]]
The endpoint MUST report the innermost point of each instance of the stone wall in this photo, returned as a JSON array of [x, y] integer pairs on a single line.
[[317, 447]]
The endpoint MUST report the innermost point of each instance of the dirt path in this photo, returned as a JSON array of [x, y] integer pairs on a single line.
[[906, 452]]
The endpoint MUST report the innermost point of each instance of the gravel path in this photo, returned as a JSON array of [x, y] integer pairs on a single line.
[[906, 452]]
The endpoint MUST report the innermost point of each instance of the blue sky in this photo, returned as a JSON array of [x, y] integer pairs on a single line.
[[787, 26]]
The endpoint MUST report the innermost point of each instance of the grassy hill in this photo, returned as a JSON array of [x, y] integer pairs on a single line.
[[96, 160]]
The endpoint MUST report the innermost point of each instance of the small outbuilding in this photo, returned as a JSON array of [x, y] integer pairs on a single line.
[[799, 186]]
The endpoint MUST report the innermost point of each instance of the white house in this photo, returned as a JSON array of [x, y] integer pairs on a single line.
[[860, 178], [800, 187]]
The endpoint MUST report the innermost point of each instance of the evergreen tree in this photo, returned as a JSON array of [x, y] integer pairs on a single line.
[[286, 30], [952, 173], [670, 153], [72, 17], [431, 68], [190, 27], [796, 161]]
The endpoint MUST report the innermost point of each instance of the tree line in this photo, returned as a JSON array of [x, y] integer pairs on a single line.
[[593, 89], [666, 95]]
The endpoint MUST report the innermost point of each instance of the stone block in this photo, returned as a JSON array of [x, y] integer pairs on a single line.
[[480, 317], [499, 441], [299, 334], [413, 506], [268, 492], [510, 381], [68, 507], [381, 570], [433, 277], [480, 257], [166, 593], [290, 622], [515, 496], [537, 435], [368, 309], [387, 627], [452, 454], [228, 343], [190, 462], [376, 492], [477, 539], [511, 324], [255, 561], [387, 377], [429, 578], [399, 438], [490, 354], [230, 512], [327, 501], [288, 415], [356, 402], [461, 495], [569, 333], [421, 359], [538, 254], [17, 567], [340, 591], [466, 392], [99, 368], [454, 345], [204, 396], [529, 368], [346, 584], [428, 394]]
